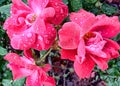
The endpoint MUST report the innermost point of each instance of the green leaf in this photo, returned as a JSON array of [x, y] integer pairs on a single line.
[[3, 51], [65, 1], [108, 9], [6, 82], [19, 82], [5, 9], [75, 4], [91, 1]]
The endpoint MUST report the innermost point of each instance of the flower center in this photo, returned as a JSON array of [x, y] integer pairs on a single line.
[[30, 19], [88, 35]]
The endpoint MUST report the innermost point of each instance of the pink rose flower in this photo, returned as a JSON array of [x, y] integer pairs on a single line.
[[85, 40], [29, 26], [25, 67]]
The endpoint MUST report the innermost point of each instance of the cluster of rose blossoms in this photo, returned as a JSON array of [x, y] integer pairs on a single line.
[[85, 39]]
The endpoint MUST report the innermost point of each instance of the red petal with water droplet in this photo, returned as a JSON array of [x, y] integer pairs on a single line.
[[23, 41], [84, 69], [101, 62], [45, 39], [33, 79], [84, 19], [61, 11], [38, 5], [108, 26], [111, 49], [18, 71], [69, 35], [68, 54]]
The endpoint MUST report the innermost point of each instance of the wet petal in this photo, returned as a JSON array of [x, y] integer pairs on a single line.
[[107, 26], [84, 70], [48, 12], [69, 35], [68, 54], [19, 72], [19, 7], [81, 50], [28, 54], [39, 26], [61, 11], [101, 62], [95, 45], [111, 48], [38, 5], [33, 79], [23, 41], [16, 59], [84, 19], [45, 39], [49, 82]]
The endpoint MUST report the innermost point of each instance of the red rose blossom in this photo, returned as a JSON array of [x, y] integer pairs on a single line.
[[85, 40], [25, 67], [29, 26]]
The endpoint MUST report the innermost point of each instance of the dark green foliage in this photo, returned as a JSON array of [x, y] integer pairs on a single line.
[[109, 10]]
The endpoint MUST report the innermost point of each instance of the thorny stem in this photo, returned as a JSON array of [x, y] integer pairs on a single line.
[[43, 58]]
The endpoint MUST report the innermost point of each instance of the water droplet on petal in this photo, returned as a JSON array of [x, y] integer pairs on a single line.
[[76, 18], [46, 36], [40, 38], [29, 35], [23, 34], [56, 4], [24, 45], [47, 42]]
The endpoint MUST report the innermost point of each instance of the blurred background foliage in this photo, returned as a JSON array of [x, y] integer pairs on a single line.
[[108, 7]]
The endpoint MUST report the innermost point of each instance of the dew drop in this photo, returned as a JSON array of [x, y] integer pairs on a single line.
[[40, 38], [23, 34], [61, 11], [38, 45], [56, 4], [46, 36], [29, 35], [47, 42], [24, 45], [76, 18]]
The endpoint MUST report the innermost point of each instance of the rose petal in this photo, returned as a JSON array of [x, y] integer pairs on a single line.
[[23, 41], [33, 79], [68, 54], [111, 48], [16, 59], [19, 72], [19, 7], [61, 11], [49, 82], [38, 5], [84, 70], [81, 50], [84, 19], [101, 62], [69, 35], [46, 39], [107, 26]]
